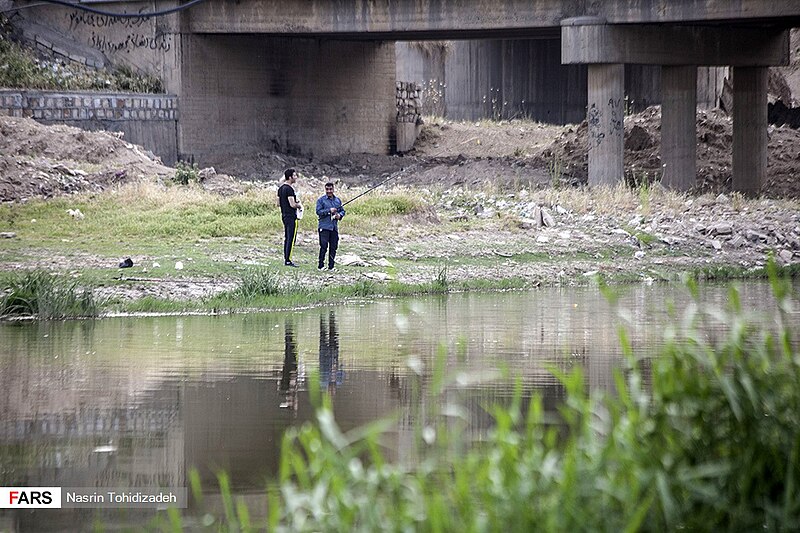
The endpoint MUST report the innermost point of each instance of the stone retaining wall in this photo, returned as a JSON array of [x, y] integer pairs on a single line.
[[49, 105], [409, 101], [408, 95], [149, 120]]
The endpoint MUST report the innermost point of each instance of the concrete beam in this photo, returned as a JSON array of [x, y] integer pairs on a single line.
[[605, 117], [587, 40], [749, 129], [678, 127], [437, 19]]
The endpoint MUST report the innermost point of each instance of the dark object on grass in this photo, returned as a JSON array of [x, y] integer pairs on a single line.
[[126, 263]]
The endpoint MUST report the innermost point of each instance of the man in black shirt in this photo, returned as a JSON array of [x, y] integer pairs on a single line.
[[289, 203]]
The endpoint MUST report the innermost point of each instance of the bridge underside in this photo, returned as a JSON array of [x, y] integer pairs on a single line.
[[317, 78], [248, 94], [679, 50]]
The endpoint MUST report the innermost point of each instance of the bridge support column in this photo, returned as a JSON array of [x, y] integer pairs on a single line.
[[605, 115], [678, 126], [749, 129]]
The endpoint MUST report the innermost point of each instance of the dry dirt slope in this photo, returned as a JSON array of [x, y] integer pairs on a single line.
[[46, 161]]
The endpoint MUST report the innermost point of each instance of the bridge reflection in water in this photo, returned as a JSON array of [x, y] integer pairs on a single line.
[[137, 402]]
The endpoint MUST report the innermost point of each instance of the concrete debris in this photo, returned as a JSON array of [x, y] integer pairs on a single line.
[[786, 256], [723, 228], [547, 219]]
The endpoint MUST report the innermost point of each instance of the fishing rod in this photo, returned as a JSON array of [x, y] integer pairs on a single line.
[[400, 173], [393, 176]]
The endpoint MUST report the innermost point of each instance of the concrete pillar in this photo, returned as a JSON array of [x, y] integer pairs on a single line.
[[605, 114], [678, 127], [749, 129]]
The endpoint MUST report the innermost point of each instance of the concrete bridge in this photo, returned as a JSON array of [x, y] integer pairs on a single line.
[[316, 77], [679, 35]]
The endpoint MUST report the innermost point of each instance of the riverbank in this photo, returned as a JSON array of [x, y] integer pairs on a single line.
[[486, 206], [195, 250]]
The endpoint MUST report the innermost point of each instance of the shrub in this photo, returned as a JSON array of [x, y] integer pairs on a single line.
[[185, 173]]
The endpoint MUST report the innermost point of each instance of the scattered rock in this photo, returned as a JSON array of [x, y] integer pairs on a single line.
[[722, 228]]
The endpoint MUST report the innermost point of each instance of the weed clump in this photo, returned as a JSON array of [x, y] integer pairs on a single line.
[[46, 296], [186, 173]]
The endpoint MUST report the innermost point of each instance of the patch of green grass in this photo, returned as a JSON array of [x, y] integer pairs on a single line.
[[257, 283], [494, 284], [151, 304]]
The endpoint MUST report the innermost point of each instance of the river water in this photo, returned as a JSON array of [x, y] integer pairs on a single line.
[[122, 402]]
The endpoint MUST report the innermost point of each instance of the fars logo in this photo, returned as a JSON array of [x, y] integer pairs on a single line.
[[30, 497]]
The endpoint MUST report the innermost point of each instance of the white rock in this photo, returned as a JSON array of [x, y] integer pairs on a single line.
[[179, 265], [380, 276], [639, 254], [384, 262], [350, 260]]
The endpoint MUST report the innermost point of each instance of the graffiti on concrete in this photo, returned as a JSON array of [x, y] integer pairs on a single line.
[[131, 42], [116, 41], [598, 129], [594, 117], [617, 125], [103, 21]]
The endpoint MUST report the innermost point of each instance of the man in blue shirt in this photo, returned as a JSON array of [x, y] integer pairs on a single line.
[[330, 212]]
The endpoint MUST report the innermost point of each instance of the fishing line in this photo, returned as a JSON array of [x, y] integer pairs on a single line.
[[401, 171]]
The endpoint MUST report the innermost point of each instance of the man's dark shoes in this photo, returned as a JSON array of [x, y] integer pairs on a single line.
[[331, 267], [290, 264], [321, 267]]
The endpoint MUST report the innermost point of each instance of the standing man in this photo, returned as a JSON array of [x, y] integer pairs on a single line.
[[289, 203], [330, 212]]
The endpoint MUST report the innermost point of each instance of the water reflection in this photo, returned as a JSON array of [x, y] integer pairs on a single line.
[[172, 393], [331, 373], [289, 380]]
